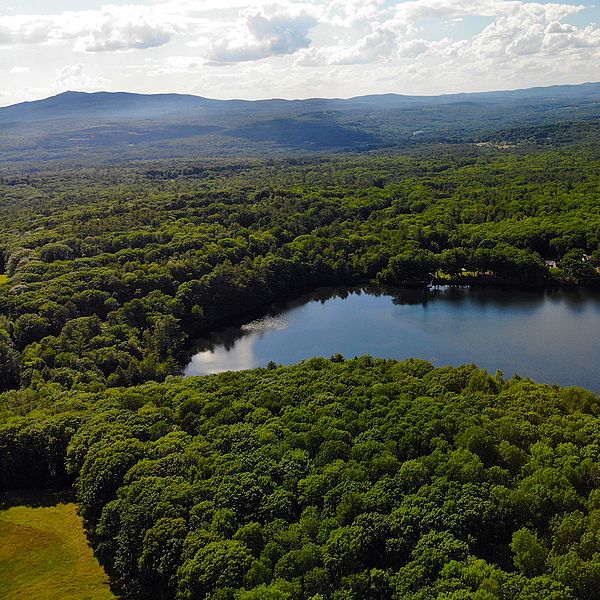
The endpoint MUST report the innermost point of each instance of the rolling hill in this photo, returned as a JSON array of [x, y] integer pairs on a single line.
[[81, 127]]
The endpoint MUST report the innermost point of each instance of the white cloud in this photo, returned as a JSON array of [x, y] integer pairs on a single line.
[[374, 46], [411, 46], [417, 47], [27, 29], [518, 29], [558, 37], [528, 29], [125, 28], [415, 11], [76, 77], [353, 13], [177, 64], [262, 32], [108, 29]]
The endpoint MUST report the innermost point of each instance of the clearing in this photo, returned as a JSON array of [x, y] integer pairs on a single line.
[[44, 554]]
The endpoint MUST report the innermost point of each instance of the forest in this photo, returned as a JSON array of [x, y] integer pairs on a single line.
[[332, 479], [109, 273], [357, 479]]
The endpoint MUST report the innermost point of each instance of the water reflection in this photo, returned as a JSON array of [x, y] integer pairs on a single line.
[[225, 357], [551, 336]]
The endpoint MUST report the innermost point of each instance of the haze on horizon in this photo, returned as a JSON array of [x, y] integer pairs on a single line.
[[294, 49]]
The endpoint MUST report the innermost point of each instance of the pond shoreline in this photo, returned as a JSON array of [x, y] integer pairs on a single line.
[[263, 309], [550, 334]]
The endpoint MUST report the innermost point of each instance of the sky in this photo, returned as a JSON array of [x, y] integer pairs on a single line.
[[293, 49]]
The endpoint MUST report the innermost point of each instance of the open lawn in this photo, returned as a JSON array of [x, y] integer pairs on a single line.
[[44, 554]]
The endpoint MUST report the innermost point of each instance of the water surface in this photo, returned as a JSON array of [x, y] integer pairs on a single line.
[[550, 336]]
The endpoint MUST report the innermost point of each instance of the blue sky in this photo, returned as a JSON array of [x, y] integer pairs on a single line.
[[294, 48]]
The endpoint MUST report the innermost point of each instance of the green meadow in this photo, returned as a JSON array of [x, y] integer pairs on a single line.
[[44, 554]]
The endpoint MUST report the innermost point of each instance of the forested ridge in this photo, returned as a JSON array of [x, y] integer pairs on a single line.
[[332, 479], [109, 273], [110, 128]]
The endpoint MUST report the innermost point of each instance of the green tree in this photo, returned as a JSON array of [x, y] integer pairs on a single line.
[[529, 552], [217, 566]]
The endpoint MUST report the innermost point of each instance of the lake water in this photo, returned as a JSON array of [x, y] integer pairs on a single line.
[[550, 336]]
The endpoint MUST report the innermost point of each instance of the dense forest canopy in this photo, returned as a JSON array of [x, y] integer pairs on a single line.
[[109, 272], [332, 479], [362, 479]]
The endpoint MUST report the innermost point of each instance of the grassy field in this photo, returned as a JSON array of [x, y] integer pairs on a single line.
[[44, 555]]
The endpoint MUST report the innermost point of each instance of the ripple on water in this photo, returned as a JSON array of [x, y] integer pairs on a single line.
[[272, 323]]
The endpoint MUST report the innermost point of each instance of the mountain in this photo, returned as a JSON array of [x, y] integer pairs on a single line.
[[82, 127], [114, 105]]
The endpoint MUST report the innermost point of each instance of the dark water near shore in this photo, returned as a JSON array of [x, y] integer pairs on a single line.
[[550, 336]]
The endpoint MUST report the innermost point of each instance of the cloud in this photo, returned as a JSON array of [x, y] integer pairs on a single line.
[[410, 46], [111, 28], [174, 64], [417, 47], [125, 28], [422, 47], [415, 11], [518, 31], [17, 70], [376, 45], [27, 29], [353, 13], [529, 29], [264, 32], [76, 77], [558, 37]]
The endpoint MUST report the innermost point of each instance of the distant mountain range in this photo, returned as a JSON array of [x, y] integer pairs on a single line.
[[106, 126]]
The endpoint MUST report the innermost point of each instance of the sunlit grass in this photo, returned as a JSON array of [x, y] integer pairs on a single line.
[[44, 554]]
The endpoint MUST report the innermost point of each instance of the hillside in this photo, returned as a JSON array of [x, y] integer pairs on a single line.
[[84, 127]]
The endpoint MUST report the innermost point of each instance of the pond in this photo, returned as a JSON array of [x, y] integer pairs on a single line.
[[550, 336]]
